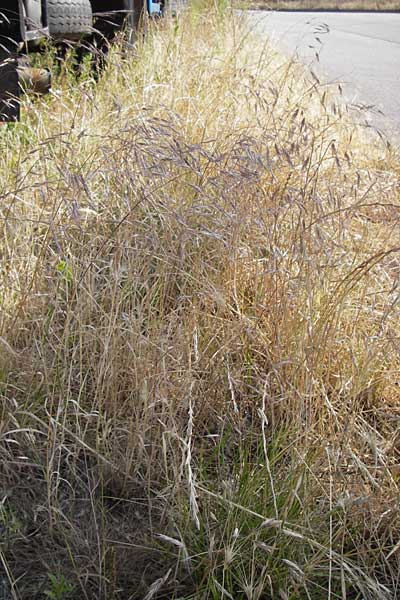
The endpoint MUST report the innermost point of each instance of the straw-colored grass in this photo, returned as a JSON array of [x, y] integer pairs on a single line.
[[199, 332]]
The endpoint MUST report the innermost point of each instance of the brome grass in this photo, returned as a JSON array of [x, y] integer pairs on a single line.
[[199, 331]]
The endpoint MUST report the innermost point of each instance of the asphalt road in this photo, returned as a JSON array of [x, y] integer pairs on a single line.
[[361, 51]]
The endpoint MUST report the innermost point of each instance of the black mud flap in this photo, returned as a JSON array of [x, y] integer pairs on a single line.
[[9, 87]]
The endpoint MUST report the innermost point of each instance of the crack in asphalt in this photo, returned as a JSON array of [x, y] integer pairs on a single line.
[[363, 35]]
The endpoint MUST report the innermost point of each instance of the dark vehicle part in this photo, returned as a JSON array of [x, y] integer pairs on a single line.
[[34, 20], [9, 86], [25, 23], [108, 20], [22, 24], [69, 19], [22, 21]]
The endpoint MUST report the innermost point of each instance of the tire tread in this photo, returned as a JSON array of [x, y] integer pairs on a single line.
[[69, 18]]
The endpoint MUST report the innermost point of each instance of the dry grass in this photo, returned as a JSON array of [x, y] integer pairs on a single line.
[[336, 5], [199, 332]]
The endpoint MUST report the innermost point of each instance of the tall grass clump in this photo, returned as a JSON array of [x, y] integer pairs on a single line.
[[199, 331]]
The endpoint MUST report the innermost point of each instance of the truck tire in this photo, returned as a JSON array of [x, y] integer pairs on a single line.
[[69, 19]]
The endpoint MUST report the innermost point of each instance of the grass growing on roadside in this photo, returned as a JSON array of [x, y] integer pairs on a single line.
[[199, 332]]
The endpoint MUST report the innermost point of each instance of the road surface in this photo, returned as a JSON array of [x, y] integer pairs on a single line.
[[361, 51]]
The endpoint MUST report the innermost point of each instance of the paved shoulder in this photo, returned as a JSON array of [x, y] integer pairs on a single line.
[[359, 50]]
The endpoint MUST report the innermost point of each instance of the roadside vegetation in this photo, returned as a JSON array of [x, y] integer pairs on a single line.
[[328, 5], [199, 337]]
